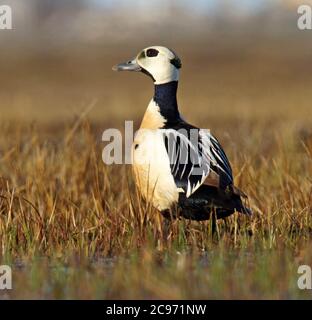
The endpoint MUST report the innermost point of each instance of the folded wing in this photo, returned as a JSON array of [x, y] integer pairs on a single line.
[[196, 158]]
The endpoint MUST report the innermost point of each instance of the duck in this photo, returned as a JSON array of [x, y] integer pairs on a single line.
[[180, 169]]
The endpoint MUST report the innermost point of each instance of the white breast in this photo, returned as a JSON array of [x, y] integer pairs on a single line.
[[151, 164]]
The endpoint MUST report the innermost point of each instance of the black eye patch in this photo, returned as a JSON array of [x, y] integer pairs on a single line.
[[152, 52]]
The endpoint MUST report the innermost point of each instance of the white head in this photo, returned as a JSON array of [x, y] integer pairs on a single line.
[[160, 63]]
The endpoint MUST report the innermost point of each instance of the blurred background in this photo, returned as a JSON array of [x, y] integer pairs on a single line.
[[242, 60]]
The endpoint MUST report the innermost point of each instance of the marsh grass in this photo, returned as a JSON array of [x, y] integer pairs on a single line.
[[73, 227]]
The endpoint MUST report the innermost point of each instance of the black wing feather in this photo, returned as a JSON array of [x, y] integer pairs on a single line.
[[191, 160]]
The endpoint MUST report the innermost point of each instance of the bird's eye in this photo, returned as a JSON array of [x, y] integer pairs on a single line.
[[152, 52]]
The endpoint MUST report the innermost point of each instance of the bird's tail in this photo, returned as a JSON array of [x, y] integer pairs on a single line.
[[242, 208], [245, 210]]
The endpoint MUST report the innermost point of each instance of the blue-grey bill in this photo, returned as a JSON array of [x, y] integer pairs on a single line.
[[127, 66]]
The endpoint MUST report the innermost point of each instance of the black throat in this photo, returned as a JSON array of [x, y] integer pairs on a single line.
[[166, 97]]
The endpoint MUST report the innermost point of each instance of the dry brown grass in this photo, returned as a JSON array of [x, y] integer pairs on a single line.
[[98, 238]]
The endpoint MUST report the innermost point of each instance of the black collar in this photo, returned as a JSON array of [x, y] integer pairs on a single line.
[[166, 98]]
